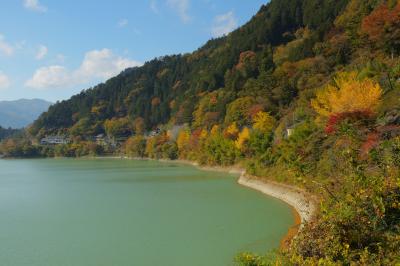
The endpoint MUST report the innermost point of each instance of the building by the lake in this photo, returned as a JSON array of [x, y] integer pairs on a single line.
[[54, 140]]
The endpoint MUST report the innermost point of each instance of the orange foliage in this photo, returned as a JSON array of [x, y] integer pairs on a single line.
[[197, 137], [155, 101], [383, 25], [255, 109], [246, 58], [183, 140], [231, 132]]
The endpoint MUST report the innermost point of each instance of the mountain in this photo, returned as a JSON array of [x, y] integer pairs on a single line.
[[20, 113], [170, 87]]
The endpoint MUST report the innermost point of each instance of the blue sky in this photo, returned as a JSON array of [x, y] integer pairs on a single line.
[[52, 49]]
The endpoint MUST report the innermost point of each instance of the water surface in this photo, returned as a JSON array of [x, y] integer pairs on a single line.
[[124, 212]]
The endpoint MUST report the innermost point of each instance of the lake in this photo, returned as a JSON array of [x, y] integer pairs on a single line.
[[126, 212]]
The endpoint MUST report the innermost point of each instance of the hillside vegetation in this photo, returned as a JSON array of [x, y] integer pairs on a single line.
[[306, 93]]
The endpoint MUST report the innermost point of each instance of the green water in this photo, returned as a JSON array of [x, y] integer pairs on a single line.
[[123, 212]]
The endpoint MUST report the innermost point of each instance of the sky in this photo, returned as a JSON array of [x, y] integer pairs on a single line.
[[53, 49]]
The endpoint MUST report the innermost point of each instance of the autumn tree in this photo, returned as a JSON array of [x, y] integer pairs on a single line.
[[238, 111], [150, 149], [383, 27], [350, 99], [232, 131], [263, 122], [183, 142], [348, 94], [214, 130], [197, 138], [136, 146], [155, 145], [118, 127], [247, 64], [242, 139], [220, 150], [139, 125], [209, 109]]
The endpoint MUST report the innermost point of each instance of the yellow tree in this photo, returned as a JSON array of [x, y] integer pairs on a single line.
[[242, 139], [349, 94], [263, 122], [214, 130], [150, 147], [232, 131], [183, 141], [203, 134]]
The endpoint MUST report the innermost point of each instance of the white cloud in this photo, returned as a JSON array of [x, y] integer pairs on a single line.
[[123, 23], [50, 77], [4, 81], [224, 24], [42, 52], [97, 64], [103, 64], [34, 5], [182, 8], [5, 48], [154, 6]]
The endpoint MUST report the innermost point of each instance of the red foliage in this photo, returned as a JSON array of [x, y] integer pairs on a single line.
[[246, 58], [211, 118], [195, 137], [255, 109], [335, 119], [371, 142], [383, 24]]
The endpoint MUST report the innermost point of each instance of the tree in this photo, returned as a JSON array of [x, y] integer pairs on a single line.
[[348, 94], [247, 64], [232, 131], [220, 150], [214, 130], [383, 27], [136, 146], [170, 150], [82, 128], [263, 122], [118, 127], [209, 109], [242, 139], [183, 142], [139, 125], [238, 111], [150, 150]]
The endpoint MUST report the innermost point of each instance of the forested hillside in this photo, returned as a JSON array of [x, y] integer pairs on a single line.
[[169, 88], [8, 132], [306, 93]]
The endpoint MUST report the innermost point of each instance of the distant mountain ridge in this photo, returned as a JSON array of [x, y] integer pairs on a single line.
[[22, 112]]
